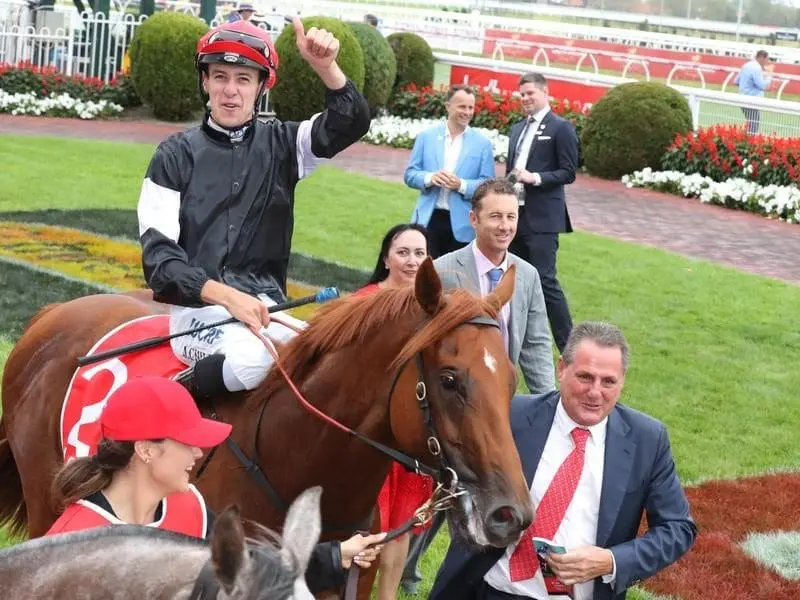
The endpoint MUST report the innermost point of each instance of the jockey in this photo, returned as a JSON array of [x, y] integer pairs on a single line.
[[149, 437], [216, 205]]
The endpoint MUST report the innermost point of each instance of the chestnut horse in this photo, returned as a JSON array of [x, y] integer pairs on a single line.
[[360, 361]]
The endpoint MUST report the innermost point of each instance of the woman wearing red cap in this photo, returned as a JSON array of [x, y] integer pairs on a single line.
[[150, 434]]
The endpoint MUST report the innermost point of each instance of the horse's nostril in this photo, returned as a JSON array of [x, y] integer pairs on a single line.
[[506, 515]]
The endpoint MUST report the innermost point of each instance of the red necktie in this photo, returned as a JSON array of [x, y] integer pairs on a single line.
[[524, 563]]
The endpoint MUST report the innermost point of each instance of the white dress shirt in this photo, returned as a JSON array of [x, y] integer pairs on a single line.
[[579, 526], [484, 265], [452, 150]]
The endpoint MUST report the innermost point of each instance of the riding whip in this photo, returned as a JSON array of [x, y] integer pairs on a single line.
[[324, 295]]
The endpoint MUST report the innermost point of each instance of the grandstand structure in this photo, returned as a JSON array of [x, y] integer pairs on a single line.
[[567, 10]]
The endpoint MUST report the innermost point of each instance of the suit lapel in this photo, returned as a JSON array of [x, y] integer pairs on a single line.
[[463, 153], [441, 139], [513, 305], [512, 144], [531, 440], [620, 450], [468, 271], [541, 128]]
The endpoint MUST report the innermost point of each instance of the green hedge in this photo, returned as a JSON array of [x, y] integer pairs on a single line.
[[162, 64], [414, 60], [299, 92], [631, 127], [380, 65]]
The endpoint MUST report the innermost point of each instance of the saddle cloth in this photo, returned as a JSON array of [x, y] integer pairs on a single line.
[[91, 385]]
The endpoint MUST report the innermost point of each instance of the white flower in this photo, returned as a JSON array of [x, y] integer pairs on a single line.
[[400, 132], [779, 201], [62, 105]]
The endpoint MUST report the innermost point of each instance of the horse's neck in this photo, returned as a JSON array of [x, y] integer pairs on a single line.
[[90, 569], [354, 390]]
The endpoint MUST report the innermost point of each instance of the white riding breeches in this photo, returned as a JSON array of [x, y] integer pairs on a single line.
[[246, 356]]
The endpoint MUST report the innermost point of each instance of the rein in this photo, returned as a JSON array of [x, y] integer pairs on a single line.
[[448, 487]]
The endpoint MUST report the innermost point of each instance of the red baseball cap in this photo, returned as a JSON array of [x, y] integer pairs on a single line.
[[154, 408]]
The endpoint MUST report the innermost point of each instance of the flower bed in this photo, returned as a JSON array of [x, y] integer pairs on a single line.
[[400, 132], [29, 90], [44, 82], [61, 105], [777, 201], [497, 110], [723, 152]]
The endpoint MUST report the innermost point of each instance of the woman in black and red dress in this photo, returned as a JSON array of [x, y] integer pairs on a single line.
[[402, 251]]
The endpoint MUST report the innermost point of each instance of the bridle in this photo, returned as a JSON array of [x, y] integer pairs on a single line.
[[448, 486]]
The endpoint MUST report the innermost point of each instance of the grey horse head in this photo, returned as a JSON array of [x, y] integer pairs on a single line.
[[123, 562]]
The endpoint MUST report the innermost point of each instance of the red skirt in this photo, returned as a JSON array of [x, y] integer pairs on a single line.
[[401, 495]]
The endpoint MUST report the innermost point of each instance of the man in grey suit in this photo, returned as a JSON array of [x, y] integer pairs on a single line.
[[479, 266], [523, 321]]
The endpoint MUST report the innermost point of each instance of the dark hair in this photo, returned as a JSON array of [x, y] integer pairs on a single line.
[[381, 272], [87, 475], [371, 19], [501, 186], [459, 87], [537, 79], [762, 54]]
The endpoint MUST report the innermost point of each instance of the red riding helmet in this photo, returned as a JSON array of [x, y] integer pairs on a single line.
[[239, 43]]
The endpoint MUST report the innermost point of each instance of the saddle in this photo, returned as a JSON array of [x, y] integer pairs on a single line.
[[92, 384]]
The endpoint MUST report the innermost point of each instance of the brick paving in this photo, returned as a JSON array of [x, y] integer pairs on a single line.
[[734, 238]]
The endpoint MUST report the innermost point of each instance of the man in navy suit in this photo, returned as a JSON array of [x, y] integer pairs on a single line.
[[448, 162], [594, 467], [543, 157]]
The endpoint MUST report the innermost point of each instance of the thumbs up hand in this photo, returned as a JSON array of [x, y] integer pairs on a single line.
[[318, 47]]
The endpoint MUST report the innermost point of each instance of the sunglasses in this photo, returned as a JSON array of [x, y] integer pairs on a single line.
[[250, 41]]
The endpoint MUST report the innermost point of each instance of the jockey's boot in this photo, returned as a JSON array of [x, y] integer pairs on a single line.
[[204, 380]]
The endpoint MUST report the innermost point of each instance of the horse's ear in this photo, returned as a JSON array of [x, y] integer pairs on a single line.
[[504, 290], [302, 529], [228, 548], [428, 287]]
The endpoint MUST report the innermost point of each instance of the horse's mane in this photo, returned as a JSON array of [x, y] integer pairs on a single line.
[[356, 319], [102, 533]]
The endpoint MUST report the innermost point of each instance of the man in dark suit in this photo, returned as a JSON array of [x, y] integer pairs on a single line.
[[543, 157], [594, 467]]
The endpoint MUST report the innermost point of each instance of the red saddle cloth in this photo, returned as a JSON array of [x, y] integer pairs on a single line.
[[91, 385]]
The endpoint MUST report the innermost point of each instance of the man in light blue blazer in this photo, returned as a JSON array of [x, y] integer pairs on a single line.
[[625, 469], [447, 163]]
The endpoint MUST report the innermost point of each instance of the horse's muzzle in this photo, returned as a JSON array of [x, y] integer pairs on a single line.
[[504, 522]]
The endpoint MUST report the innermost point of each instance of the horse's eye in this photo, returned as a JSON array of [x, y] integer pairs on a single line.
[[448, 382]]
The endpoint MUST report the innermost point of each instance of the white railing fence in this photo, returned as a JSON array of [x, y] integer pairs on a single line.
[[709, 107], [88, 45], [93, 45]]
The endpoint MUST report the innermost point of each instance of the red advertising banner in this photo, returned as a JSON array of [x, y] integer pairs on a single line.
[[510, 82], [659, 62]]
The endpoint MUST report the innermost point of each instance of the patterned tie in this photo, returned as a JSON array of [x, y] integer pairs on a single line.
[[524, 563], [494, 276], [528, 122]]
